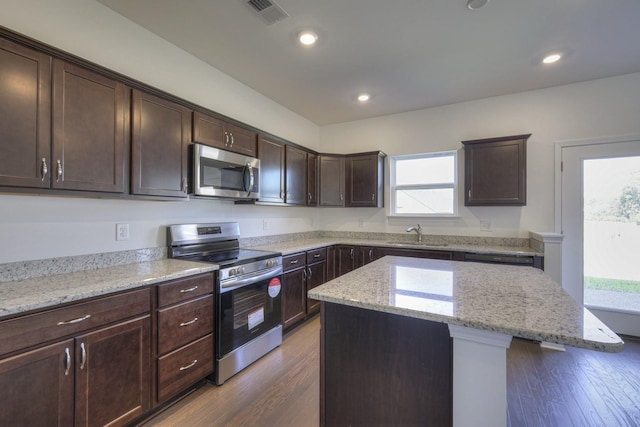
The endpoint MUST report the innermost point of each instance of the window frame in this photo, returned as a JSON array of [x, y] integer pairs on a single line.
[[394, 188]]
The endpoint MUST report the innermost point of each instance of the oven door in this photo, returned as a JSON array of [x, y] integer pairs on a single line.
[[247, 312], [219, 173]]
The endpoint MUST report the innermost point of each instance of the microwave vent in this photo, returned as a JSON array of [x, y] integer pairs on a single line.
[[268, 10]]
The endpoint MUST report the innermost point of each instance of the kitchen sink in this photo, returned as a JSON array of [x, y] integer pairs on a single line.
[[426, 244]]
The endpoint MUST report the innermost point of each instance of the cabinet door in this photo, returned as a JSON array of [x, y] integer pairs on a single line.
[[312, 179], [332, 263], [316, 276], [241, 140], [296, 176], [161, 134], [495, 171], [36, 388], [363, 255], [331, 180], [293, 297], [345, 258], [113, 367], [90, 130], [271, 155], [25, 116], [210, 131], [365, 181]]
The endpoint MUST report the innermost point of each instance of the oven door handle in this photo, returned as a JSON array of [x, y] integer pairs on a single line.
[[230, 285]]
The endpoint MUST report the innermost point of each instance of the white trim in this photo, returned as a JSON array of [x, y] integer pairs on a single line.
[[495, 339], [559, 145]]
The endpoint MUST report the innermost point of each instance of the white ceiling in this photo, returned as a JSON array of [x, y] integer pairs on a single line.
[[409, 54]]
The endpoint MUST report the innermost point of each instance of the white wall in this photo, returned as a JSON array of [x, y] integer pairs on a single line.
[[35, 227], [605, 107]]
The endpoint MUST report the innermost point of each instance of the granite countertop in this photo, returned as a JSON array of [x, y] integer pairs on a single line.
[[43, 292], [294, 246], [518, 301]]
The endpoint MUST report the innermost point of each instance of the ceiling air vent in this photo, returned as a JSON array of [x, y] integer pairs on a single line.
[[268, 10]]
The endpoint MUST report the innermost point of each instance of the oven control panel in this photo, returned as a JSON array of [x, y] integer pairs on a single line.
[[250, 269]]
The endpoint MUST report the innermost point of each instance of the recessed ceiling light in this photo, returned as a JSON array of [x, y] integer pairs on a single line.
[[307, 38], [364, 97], [550, 59], [476, 4]]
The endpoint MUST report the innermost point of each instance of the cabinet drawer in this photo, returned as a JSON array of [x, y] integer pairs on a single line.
[[294, 261], [184, 367], [184, 289], [185, 322], [38, 328], [316, 255]]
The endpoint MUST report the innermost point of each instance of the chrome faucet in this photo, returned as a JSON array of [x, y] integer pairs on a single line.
[[418, 230]]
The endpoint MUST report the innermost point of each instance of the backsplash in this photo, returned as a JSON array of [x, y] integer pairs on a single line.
[[46, 267]]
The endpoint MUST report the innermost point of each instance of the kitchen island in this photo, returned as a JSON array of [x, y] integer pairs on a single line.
[[423, 342]]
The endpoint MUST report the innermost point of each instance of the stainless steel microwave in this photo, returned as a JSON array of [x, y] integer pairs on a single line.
[[220, 173]]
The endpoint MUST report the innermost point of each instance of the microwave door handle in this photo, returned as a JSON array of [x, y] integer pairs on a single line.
[[251, 179]]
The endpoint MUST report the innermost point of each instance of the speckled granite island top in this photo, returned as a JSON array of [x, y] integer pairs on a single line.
[[512, 300], [31, 294]]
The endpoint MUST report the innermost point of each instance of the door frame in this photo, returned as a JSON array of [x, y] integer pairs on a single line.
[[619, 322]]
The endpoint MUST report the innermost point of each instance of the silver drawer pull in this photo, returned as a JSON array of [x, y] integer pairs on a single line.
[[190, 322], [316, 256], [295, 261], [184, 291], [83, 358], [189, 366], [71, 322]]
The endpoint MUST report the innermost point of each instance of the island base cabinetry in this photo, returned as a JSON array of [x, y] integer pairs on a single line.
[[383, 369]]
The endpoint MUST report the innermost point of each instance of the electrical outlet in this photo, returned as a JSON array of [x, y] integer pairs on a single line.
[[265, 224], [485, 226], [361, 223], [122, 232]]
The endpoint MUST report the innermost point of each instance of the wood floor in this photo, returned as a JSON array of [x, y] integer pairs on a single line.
[[545, 388]]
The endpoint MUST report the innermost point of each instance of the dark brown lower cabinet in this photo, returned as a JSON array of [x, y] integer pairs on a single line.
[[98, 378], [36, 388], [413, 253], [316, 276], [293, 296], [383, 369]]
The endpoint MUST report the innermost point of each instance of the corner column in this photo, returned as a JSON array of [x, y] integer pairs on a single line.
[[479, 377]]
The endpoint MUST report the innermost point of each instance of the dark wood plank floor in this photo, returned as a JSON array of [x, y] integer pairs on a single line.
[[545, 388]]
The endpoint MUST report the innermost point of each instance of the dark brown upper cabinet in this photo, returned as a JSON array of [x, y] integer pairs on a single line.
[[272, 168], [496, 171], [365, 179], [25, 116], [211, 131], [312, 179], [159, 149], [90, 130], [331, 171], [296, 176]]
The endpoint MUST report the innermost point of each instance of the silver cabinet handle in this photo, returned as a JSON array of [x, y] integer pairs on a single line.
[[190, 322], [183, 185], [189, 366], [282, 195], [67, 361], [310, 273], [371, 254], [469, 194], [71, 322], [294, 261], [83, 359], [43, 168], [373, 197], [351, 251], [341, 197], [304, 274], [309, 196], [58, 171], [185, 291], [231, 133], [226, 139], [288, 195], [316, 256]]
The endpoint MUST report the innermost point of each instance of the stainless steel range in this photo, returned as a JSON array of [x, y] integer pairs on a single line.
[[248, 292]]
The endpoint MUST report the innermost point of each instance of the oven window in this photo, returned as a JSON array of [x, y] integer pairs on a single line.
[[244, 314]]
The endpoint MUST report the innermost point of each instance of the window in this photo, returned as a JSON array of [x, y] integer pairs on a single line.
[[424, 184]]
